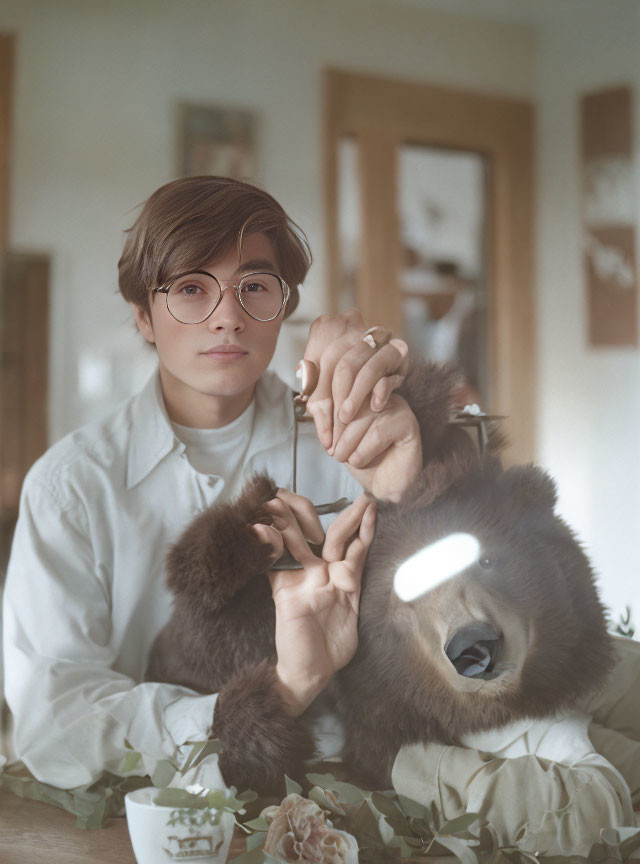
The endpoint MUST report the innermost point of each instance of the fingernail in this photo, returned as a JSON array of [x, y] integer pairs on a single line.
[[376, 403]]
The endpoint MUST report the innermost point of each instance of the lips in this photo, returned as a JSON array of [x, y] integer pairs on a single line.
[[225, 352]]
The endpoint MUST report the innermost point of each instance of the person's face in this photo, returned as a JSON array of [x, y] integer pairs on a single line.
[[209, 370]]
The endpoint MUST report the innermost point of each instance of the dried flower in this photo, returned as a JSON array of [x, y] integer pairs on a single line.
[[299, 832]]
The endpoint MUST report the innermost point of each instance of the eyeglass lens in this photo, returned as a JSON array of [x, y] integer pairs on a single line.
[[193, 297]]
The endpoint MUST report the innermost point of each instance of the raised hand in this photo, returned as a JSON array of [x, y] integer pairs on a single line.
[[317, 606]]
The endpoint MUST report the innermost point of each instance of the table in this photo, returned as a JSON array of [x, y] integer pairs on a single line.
[[32, 832]]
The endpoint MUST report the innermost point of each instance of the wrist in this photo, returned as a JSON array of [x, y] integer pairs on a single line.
[[297, 694]]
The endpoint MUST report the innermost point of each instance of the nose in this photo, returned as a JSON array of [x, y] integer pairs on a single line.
[[228, 314], [473, 649]]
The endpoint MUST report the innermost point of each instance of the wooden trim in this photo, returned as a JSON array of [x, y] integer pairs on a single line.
[[384, 113], [7, 48]]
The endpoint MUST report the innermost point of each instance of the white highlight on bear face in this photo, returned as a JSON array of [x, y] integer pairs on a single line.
[[434, 564]]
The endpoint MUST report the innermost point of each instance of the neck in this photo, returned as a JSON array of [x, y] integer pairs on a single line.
[[188, 407]]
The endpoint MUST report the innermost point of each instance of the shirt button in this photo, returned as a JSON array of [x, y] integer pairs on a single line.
[[213, 481]]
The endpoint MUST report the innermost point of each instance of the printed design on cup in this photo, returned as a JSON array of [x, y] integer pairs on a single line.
[[191, 838]]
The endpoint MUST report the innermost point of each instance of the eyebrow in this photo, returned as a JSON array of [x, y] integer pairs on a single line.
[[257, 264]]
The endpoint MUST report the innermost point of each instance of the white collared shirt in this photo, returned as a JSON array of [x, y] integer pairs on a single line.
[[85, 593]]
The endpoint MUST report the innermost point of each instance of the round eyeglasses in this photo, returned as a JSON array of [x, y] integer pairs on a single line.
[[193, 297]]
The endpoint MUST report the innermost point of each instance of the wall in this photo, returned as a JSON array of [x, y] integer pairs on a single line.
[[97, 87], [588, 399]]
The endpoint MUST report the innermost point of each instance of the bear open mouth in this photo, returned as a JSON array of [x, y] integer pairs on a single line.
[[473, 650]]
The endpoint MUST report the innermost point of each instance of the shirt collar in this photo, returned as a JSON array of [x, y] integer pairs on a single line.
[[153, 438]]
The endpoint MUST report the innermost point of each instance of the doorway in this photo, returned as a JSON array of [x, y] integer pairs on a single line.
[[429, 227]]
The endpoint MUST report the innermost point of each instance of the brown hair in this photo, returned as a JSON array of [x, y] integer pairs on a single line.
[[191, 221]]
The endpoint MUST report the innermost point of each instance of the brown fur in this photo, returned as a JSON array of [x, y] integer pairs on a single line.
[[537, 589]]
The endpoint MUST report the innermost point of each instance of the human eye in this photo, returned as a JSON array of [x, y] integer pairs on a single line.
[[258, 283], [188, 286]]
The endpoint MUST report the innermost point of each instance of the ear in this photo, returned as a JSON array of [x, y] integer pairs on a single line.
[[528, 492], [143, 323]]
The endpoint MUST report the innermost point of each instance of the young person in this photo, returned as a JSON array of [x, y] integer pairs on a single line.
[[211, 268]]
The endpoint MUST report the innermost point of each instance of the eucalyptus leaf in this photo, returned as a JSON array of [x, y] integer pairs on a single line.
[[164, 773], [412, 808], [386, 831], [224, 800], [256, 840], [459, 824], [384, 804], [292, 787], [248, 796], [402, 827], [199, 752], [179, 799], [259, 824], [323, 800], [460, 849], [325, 781], [130, 761]]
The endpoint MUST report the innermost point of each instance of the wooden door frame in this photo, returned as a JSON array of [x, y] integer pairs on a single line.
[[381, 113], [7, 52]]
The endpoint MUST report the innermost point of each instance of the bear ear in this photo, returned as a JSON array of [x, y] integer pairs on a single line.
[[527, 491]]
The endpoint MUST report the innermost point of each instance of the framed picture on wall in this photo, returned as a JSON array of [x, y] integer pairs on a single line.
[[610, 217], [217, 140]]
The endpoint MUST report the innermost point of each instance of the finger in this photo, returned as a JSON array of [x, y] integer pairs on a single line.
[[270, 536], [347, 371], [285, 521], [353, 435], [383, 390], [390, 360], [389, 429], [321, 402], [359, 547], [343, 528], [305, 514]]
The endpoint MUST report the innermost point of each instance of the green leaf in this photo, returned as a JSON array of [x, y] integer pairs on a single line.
[[247, 796], [459, 848], [386, 831], [130, 761], [292, 786], [164, 773], [179, 799], [259, 824], [412, 808], [323, 799], [256, 840], [324, 781], [459, 824], [384, 804]]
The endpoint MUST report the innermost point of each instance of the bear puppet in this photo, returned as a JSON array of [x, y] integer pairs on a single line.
[[518, 632]]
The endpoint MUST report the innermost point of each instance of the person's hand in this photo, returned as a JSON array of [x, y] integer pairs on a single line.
[[316, 607], [382, 450], [350, 371], [358, 417]]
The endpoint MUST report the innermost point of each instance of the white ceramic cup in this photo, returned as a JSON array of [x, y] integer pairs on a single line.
[[162, 834]]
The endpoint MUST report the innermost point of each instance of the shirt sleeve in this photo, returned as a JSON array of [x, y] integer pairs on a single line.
[[72, 711], [546, 807]]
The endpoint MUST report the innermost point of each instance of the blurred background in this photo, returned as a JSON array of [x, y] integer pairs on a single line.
[[466, 172]]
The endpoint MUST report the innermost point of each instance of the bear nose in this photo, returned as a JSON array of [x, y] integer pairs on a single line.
[[473, 649]]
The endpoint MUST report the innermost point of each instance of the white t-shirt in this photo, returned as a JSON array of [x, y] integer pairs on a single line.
[[85, 594], [220, 454]]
